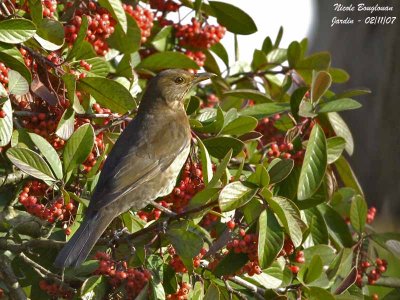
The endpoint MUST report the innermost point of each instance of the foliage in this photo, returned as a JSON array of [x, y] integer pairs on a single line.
[[267, 205]]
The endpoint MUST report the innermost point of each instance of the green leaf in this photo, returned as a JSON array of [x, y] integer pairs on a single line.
[[278, 37], [17, 84], [220, 146], [186, 243], [293, 54], [340, 128], [325, 252], [221, 52], [289, 216], [267, 45], [14, 31], [339, 75], [338, 105], [277, 56], [295, 100], [211, 65], [13, 59], [247, 94], [198, 291], [316, 61], [49, 153], [259, 61], [221, 169], [317, 293], [212, 293], [335, 147], [314, 165], [77, 45], [36, 11], [160, 40], [213, 120], [271, 278], [320, 84], [270, 238], [337, 227], [192, 105], [230, 264], [6, 124], [235, 195], [126, 42], [352, 93], [311, 271], [65, 126], [263, 110], [108, 93], [70, 85], [347, 175], [317, 225], [167, 60], [117, 12], [260, 177], [95, 288], [205, 162], [358, 213], [31, 163], [50, 34], [78, 147], [280, 169], [233, 18], [241, 125], [99, 67]]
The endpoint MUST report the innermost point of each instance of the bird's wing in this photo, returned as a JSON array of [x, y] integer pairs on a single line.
[[145, 158]]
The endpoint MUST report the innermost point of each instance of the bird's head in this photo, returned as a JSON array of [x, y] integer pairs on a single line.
[[172, 85]]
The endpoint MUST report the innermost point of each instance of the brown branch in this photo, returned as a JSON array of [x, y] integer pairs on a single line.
[[6, 244], [25, 113], [10, 280], [391, 282], [21, 221]]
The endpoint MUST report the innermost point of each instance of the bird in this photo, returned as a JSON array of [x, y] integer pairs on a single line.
[[144, 163]]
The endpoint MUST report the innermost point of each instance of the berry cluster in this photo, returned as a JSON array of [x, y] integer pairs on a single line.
[[177, 264], [28, 59], [3, 74], [154, 214], [197, 56], [190, 184], [55, 290], [212, 101], [288, 248], [199, 35], [373, 271], [35, 192], [269, 131], [371, 214], [49, 7], [246, 243], [144, 18], [101, 26], [164, 5], [42, 124], [91, 160], [120, 274], [182, 293]]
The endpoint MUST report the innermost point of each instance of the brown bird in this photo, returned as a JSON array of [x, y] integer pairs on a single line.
[[143, 164]]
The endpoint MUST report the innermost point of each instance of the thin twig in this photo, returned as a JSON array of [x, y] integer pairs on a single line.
[[12, 178], [8, 277], [6, 244]]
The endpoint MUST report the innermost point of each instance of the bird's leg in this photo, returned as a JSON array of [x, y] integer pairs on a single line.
[[165, 210], [117, 235]]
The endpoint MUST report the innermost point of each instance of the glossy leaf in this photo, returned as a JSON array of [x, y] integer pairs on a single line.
[[293, 53], [347, 175], [94, 287], [311, 271], [233, 18], [320, 84], [31, 163], [235, 195], [78, 44], [260, 177], [13, 59], [317, 225], [335, 147], [270, 238], [265, 110], [241, 125], [221, 169], [17, 84], [220, 146], [117, 12], [314, 165], [78, 147], [341, 129], [50, 34], [289, 216], [126, 42], [167, 60], [6, 124], [108, 93], [65, 127], [14, 31], [280, 169], [49, 153], [230, 263], [205, 162], [358, 213], [247, 94], [338, 105]]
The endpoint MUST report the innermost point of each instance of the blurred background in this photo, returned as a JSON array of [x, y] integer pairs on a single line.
[[370, 54]]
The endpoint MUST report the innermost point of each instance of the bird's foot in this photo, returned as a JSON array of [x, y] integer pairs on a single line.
[[117, 235], [165, 210]]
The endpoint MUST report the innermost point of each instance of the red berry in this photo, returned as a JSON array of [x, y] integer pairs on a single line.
[[231, 224]]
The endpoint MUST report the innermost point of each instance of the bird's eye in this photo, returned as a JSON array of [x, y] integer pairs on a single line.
[[179, 80]]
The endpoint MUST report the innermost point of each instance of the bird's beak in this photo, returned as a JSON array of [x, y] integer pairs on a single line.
[[202, 76]]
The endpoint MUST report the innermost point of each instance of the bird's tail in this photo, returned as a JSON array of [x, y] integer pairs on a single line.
[[77, 249]]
